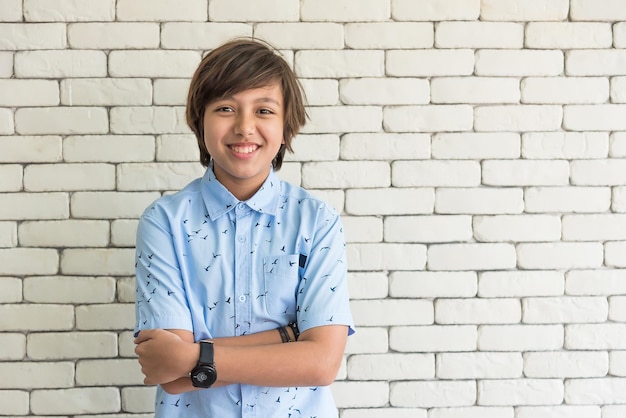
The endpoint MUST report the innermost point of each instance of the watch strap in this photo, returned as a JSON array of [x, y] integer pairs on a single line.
[[206, 352]]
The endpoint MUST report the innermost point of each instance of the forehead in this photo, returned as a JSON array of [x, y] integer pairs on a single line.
[[269, 92]]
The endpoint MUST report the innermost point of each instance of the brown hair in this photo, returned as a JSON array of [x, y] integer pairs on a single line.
[[240, 65]]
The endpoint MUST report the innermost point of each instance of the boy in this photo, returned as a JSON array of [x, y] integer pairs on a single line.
[[239, 262]]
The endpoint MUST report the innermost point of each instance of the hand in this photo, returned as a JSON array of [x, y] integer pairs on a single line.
[[164, 356]]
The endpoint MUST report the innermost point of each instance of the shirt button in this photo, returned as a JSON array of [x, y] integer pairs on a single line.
[[242, 298], [239, 207], [241, 238]]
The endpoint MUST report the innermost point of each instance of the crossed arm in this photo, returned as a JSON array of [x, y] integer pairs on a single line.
[[167, 357]]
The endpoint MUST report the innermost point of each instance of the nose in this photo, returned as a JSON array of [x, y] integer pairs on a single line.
[[244, 124]]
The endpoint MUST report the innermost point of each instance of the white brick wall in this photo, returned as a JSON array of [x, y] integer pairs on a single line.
[[476, 149]]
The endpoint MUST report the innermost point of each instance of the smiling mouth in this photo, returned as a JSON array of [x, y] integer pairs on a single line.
[[244, 149]]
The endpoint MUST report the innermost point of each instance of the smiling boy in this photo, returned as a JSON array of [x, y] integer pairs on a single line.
[[239, 262]]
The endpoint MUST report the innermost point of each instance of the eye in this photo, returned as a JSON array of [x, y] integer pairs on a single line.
[[265, 111], [224, 109]]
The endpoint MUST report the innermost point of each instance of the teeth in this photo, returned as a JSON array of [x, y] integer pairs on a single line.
[[246, 149]]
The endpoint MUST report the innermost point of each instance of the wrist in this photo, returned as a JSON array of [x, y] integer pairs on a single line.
[[192, 355]]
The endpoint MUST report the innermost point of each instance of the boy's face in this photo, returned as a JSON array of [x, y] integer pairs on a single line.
[[243, 134]]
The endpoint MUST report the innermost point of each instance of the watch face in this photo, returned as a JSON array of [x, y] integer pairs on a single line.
[[203, 376]]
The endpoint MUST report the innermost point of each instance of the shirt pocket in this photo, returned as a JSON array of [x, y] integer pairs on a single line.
[[281, 284]]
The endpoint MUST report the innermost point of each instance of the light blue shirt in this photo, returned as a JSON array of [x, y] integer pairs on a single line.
[[209, 263]]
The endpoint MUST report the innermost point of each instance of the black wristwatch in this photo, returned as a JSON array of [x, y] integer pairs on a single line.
[[204, 374]]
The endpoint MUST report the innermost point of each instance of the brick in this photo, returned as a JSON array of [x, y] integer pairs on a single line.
[[520, 338], [432, 173], [116, 205], [364, 285], [30, 149], [61, 120], [350, 394], [75, 401], [618, 84], [324, 35], [568, 199], [13, 346], [69, 11], [617, 363], [11, 178], [389, 35], [106, 92], [105, 148], [562, 255], [113, 35], [479, 201], [598, 117], [177, 148], [170, 91], [471, 256], [494, 35], [385, 413], [613, 254], [18, 36], [11, 290], [29, 375], [432, 394], [7, 126], [60, 64], [391, 366], [6, 63], [153, 63], [435, 10], [125, 291], [156, 176], [384, 91], [148, 120], [324, 147], [97, 261], [609, 172], [607, 336], [605, 227], [519, 63], [479, 365], [525, 173], [428, 118], [32, 317], [558, 411], [610, 10], [14, 402], [565, 90], [8, 234], [613, 411], [71, 345], [472, 412], [426, 63], [527, 118], [363, 228], [64, 289], [433, 338], [339, 64], [434, 228], [595, 282], [68, 177], [16, 261], [619, 199], [64, 233], [565, 145], [476, 146], [111, 316], [123, 232], [250, 10], [520, 283], [138, 399], [320, 92], [114, 372], [384, 146], [346, 174], [619, 34], [20, 206], [518, 228], [607, 62], [11, 11], [520, 392], [161, 10], [17, 93], [520, 10], [568, 35], [386, 256], [617, 308], [432, 284], [126, 344], [595, 391], [196, 35], [344, 10], [373, 340], [480, 90], [566, 309], [477, 311]]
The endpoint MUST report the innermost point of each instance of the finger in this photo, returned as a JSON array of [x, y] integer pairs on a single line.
[[144, 335]]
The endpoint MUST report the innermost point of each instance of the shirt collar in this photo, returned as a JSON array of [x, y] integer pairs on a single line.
[[219, 200]]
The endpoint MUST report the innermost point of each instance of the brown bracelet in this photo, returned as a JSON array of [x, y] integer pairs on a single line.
[[284, 335]]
